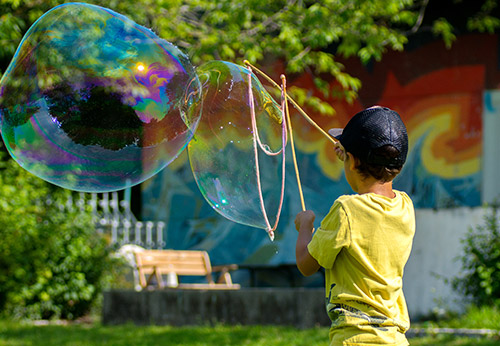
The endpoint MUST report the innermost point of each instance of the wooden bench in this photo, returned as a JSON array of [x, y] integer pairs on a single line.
[[174, 263]]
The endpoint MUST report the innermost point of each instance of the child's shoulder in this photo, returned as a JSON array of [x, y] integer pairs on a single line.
[[344, 203], [346, 199], [372, 198]]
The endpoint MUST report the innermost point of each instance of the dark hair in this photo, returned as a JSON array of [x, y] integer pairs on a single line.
[[381, 172], [373, 128]]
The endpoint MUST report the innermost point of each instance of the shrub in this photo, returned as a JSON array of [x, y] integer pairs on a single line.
[[53, 263], [480, 280]]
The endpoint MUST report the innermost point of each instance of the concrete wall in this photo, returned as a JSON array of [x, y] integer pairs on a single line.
[[490, 184], [434, 259], [299, 307]]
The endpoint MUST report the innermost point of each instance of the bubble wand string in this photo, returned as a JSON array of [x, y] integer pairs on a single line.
[[301, 111], [257, 143]]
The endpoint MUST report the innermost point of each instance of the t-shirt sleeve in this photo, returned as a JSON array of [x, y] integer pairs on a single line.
[[330, 237]]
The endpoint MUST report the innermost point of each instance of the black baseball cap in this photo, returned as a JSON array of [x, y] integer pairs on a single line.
[[373, 128]]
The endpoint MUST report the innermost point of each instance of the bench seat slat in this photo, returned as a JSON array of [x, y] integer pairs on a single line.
[[181, 262]]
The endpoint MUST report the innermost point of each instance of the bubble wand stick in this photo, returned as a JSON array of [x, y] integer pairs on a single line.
[[301, 111], [290, 130]]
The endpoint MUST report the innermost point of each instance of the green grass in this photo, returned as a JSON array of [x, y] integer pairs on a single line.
[[450, 340], [475, 318], [16, 334], [25, 334]]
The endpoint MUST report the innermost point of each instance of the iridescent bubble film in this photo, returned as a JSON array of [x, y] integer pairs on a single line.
[[223, 150], [94, 102]]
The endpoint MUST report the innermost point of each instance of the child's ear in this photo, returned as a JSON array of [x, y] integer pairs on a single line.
[[353, 161]]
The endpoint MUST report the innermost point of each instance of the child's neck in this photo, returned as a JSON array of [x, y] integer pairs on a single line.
[[375, 186], [362, 184]]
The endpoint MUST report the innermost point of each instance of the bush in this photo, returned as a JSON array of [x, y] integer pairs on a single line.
[[480, 280], [53, 263]]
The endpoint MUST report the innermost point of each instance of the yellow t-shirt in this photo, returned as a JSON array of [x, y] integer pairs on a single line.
[[364, 243]]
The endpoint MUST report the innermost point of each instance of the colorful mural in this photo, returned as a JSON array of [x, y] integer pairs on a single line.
[[439, 94]]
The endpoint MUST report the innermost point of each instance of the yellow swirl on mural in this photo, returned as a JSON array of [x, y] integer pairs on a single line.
[[435, 127], [309, 141]]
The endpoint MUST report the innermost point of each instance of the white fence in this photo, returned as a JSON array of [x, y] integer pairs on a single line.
[[114, 217]]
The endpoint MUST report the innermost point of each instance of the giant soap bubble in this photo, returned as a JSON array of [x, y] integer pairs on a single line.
[[237, 158], [92, 101]]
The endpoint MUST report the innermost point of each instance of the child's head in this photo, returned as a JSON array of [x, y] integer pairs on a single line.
[[377, 138]]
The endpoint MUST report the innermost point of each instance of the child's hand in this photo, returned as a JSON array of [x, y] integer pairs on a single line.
[[339, 150], [305, 220]]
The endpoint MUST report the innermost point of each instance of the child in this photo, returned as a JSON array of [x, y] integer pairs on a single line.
[[365, 240]]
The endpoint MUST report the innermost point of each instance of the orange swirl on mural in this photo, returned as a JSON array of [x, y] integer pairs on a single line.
[[442, 111]]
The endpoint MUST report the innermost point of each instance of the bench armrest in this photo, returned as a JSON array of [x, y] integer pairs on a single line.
[[225, 268], [224, 276]]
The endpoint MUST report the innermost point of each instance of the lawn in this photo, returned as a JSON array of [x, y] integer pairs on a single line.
[[17, 334], [93, 333]]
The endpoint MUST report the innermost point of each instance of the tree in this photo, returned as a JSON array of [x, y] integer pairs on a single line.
[[53, 263], [306, 36]]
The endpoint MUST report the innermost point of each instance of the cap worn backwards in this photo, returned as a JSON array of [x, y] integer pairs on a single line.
[[371, 129]]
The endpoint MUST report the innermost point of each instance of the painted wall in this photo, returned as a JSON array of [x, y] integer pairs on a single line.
[[441, 95], [434, 259]]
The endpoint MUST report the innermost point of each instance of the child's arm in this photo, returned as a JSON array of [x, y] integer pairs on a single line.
[[304, 224]]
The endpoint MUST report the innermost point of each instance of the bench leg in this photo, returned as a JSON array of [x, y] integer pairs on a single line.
[[225, 278], [159, 280]]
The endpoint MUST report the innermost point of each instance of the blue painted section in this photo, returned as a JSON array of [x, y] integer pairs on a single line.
[[173, 197]]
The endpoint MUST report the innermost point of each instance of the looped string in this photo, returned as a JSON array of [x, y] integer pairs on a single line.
[[257, 143], [285, 98]]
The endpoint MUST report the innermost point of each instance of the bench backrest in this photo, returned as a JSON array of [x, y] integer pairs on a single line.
[[180, 262]]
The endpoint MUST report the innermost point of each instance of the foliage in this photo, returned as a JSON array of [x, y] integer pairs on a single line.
[[480, 280], [306, 36], [52, 261]]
